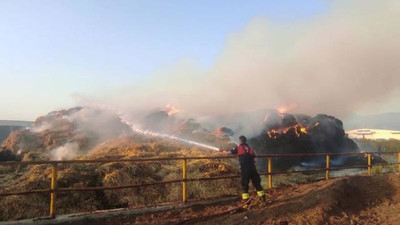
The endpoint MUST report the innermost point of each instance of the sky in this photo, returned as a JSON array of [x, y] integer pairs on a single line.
[[53, 51]]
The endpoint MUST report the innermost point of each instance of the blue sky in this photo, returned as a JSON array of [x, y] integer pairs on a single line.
[[51, 50]]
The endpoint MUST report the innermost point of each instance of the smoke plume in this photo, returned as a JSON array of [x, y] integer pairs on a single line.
[[331, 63], [67, 151]]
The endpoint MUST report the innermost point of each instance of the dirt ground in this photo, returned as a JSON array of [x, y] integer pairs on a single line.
[[348, 200]]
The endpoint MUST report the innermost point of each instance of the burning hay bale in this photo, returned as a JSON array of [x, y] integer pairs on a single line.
[[67, 133], [287, 134], [224, 132], [167, 122]]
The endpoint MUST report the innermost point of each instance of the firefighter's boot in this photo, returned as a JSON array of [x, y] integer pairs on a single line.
[[245, 199], [261, 196]]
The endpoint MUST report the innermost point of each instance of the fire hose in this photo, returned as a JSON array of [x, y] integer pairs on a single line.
[[232, 210]]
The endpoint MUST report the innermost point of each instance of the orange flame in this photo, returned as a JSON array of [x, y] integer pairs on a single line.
[[285, 109], [298, 129]]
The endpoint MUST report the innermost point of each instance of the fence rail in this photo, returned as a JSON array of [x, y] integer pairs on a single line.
[[53, 190]]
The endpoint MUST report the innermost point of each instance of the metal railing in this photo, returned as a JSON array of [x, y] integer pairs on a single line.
[[53, 190]]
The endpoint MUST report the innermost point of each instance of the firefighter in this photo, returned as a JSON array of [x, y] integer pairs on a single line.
[[248, 170]]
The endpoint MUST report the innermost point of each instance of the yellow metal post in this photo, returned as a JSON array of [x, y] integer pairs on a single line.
[[327, 168], [369, 164], [184, 180], [269, 172], [53, 190], [398, 160]]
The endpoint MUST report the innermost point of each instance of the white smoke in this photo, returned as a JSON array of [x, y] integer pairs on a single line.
[[82, 128], [333, 63], [104, 124], [42, 127], [65, 152]]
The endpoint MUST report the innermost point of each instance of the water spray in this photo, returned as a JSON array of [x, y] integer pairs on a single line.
[[171, 137]]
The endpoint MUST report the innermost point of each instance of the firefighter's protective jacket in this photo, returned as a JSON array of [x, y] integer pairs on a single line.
[[245, 153]]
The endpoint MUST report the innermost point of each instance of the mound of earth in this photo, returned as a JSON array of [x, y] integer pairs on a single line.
[[349, 200]]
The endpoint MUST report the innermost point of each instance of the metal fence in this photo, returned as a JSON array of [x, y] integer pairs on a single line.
[[53, 189]]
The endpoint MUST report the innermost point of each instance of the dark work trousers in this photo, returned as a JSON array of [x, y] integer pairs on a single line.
[[249, 172]]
